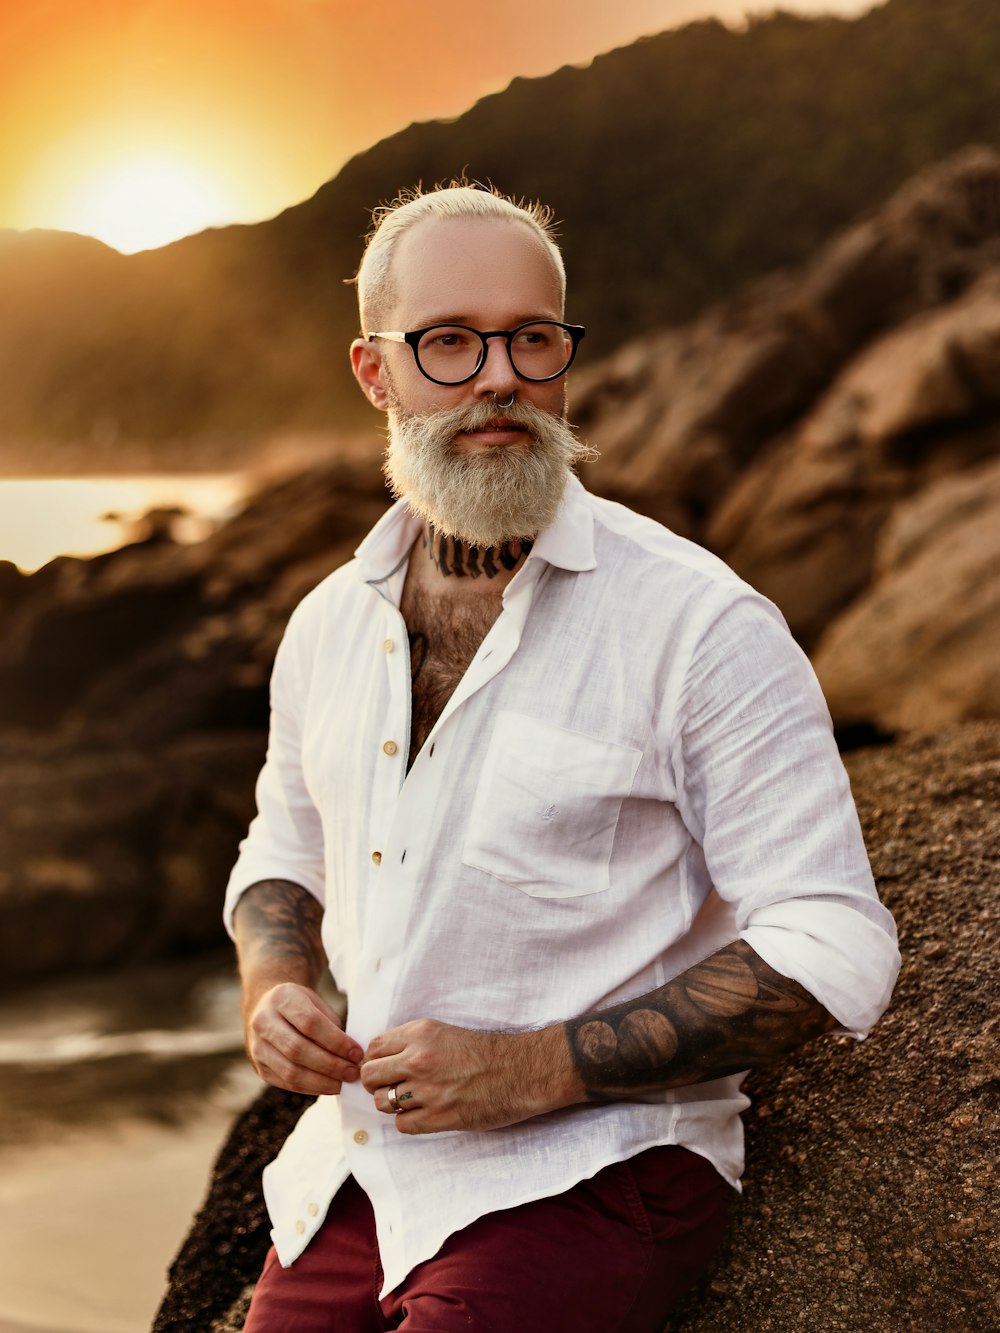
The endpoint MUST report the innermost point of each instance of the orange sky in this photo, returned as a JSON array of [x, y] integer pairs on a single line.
[[141, 120]]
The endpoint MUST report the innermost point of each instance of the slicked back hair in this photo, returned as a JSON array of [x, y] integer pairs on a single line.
[[460, 199]]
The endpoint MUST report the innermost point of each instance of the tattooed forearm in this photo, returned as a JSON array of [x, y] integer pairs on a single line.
[[278, 922], [728, 1013]]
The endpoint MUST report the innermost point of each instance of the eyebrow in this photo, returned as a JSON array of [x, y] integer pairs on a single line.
[[515, 322]]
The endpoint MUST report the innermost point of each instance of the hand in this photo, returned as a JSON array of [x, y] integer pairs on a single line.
[[453, 1078], [296, 1041]]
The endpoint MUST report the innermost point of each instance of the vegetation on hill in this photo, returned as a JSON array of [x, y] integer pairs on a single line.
[[682, 166]]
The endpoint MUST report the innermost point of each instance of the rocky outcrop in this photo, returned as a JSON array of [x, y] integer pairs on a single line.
[[790, 429], [803, 520], [133, 710], [871, 1168], [921, 645]]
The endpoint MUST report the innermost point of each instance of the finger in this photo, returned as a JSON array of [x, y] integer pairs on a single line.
[[300, 1051], [376, 1074], [312, 1016], [308, 1014], [395, 1040], [277, 1069], [406, 1098], [422, 1121]]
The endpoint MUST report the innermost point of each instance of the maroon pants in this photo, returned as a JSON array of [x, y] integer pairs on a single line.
[[611, 1255]]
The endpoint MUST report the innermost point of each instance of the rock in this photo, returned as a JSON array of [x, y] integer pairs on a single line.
[[871, 1168], [919, 648], [119, 853], [803, 520], [679, 416], [801, 526], [156, 638], [133, 713], [783, 428]]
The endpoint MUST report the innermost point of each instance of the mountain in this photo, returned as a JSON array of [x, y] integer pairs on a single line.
[[682, 166]]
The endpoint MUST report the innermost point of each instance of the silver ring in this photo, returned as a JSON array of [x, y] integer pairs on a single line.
[[508, 403], [394, 1105]]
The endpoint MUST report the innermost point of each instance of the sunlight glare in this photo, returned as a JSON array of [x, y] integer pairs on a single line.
[[42, 517], [147, 200]]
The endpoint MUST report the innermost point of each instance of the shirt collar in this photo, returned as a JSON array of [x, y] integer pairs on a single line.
[[567, 543]]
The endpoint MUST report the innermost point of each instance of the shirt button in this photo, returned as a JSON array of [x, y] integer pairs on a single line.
[[388, 645], [377, 858], [300, 1226], [361, 1137], [313, 1209], [390, 747]]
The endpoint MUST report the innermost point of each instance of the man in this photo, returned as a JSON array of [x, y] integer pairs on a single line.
[[556, 796]]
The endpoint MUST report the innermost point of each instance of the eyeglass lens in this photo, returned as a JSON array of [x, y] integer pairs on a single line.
[[450, 353]]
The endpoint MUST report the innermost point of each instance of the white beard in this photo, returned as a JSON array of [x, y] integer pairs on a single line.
[[496, 494]]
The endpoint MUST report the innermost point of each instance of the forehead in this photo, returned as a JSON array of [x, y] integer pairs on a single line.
[[483, 270]]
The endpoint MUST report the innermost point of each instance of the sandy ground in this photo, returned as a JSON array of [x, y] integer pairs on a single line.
[[88, 1225], [114, 1099]]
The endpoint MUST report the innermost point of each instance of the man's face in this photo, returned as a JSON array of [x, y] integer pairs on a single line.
[[474, 470], [483, 272]]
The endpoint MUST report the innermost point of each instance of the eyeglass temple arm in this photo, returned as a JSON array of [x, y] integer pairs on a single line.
[[389, 337]]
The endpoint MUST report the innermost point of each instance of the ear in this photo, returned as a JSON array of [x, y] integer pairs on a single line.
[[366, 362]]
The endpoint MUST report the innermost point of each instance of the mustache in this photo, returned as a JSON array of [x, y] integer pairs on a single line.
[[484, 416]]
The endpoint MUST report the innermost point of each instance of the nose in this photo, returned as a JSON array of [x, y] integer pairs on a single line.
[[497, 374]]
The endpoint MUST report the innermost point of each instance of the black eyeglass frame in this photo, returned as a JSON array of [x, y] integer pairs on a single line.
[[412, 339]]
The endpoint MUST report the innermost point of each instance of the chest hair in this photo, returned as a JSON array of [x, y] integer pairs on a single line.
[[444, 634]]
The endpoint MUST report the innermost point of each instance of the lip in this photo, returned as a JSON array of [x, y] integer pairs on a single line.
[[497, 431]]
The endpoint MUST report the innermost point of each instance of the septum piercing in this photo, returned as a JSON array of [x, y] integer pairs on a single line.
[[508, 403]]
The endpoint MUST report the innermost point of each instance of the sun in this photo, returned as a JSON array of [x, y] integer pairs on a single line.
[[145, 200]]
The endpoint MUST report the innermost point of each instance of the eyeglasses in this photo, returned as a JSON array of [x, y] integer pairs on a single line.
[[455, 353]]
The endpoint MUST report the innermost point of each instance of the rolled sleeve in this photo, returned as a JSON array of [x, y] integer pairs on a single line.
[[767, 796], [285, 839]]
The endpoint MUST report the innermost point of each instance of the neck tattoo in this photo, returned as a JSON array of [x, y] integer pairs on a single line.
[[454, 558]]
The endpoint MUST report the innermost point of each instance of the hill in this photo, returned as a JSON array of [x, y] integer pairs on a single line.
[[683, 166]]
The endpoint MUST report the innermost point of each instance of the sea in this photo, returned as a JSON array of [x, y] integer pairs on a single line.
[[42, 517]]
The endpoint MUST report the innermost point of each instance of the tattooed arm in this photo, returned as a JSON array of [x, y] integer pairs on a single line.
[[725, 1014], [728, 1013], [294, 1039]]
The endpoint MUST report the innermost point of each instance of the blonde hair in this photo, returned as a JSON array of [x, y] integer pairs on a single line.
[[459, 199]]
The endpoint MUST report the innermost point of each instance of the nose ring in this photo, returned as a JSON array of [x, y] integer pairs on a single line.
[[508, 403]]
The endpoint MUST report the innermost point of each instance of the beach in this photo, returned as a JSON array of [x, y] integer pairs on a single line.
[[116, 1093]]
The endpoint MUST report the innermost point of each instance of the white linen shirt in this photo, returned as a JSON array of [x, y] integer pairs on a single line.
[[636, 769]]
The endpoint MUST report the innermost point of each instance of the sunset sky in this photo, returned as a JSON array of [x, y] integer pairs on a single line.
[[139, 121]]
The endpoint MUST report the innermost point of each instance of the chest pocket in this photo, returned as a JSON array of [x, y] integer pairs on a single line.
[[546, 807]]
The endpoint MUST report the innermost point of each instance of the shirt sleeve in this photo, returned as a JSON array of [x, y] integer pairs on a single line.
[[285, 839], [765, 793]]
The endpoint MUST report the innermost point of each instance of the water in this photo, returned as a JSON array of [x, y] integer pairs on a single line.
[[116, 1093], [42, 517]]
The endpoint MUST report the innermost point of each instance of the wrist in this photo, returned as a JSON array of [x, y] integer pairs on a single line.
[[544, 1069]]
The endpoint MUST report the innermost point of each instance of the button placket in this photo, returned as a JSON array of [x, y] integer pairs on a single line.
[[387, 777]]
